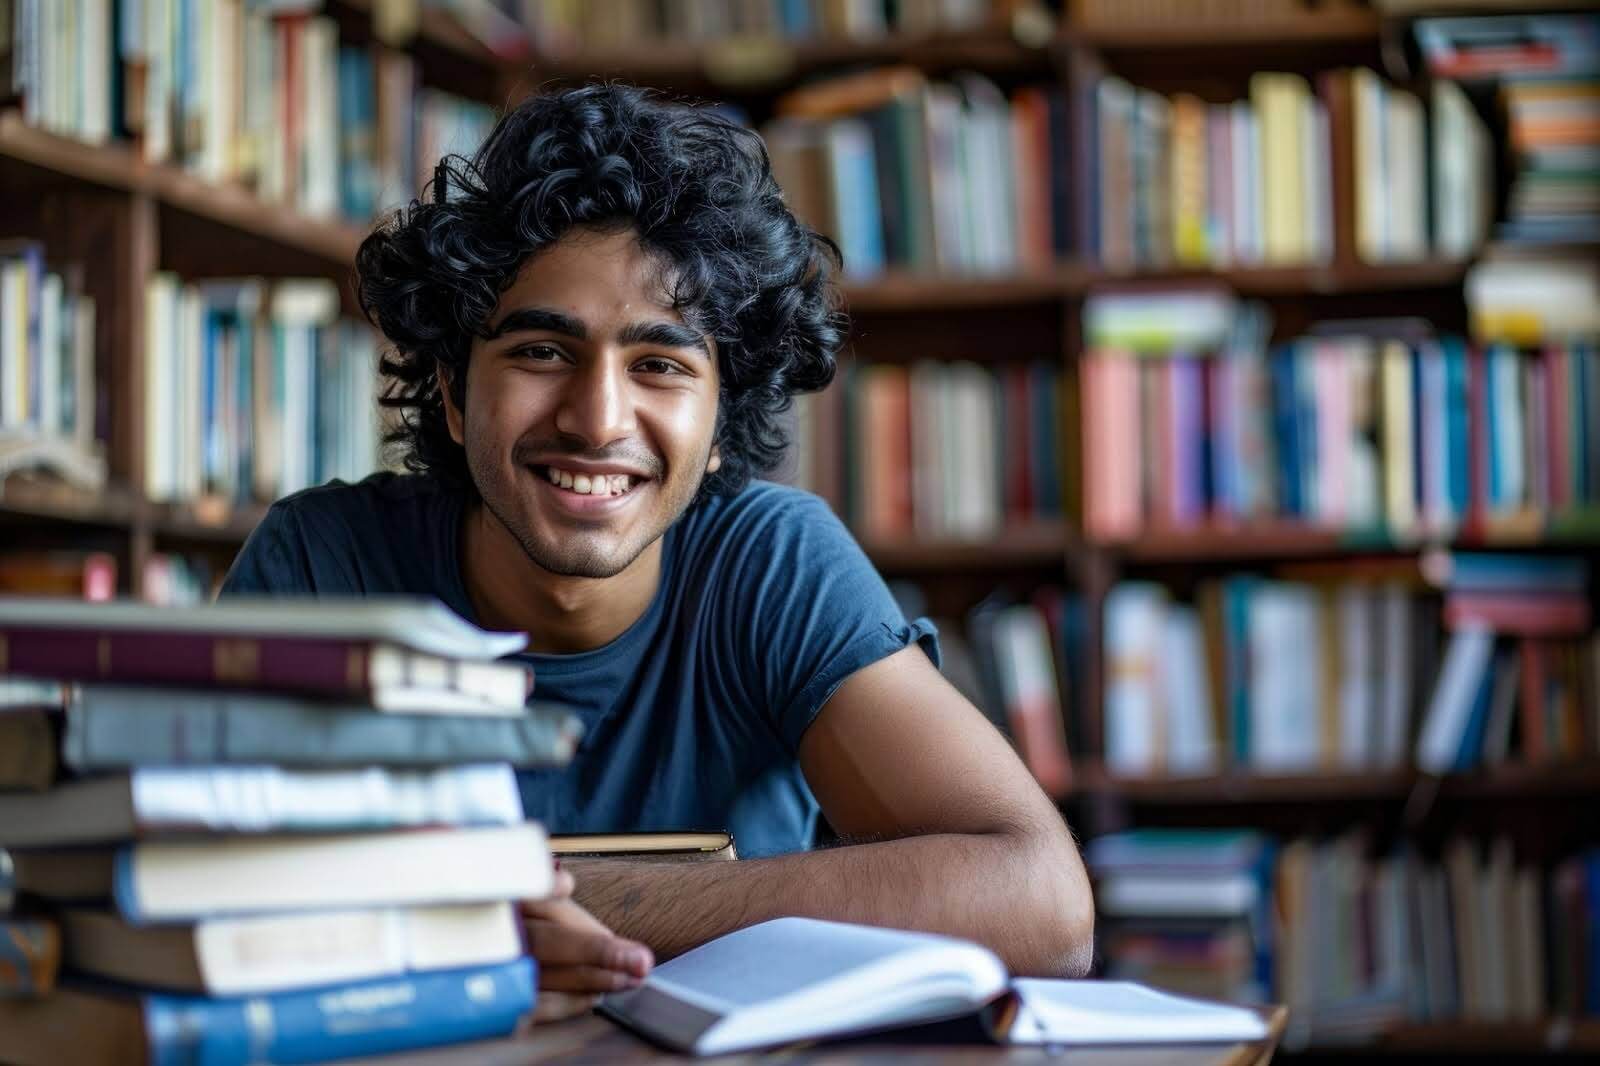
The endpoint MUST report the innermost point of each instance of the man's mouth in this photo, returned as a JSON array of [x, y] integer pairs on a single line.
[[590, 484]]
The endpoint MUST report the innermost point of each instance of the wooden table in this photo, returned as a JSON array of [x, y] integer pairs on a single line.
[[594, 1039]]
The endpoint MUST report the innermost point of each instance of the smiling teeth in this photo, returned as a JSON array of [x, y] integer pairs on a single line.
[[587, 485]]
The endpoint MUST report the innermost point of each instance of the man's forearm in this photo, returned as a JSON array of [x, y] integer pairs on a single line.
[[1024, 897]]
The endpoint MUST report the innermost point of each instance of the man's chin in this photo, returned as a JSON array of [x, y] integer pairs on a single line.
[[573, 557]]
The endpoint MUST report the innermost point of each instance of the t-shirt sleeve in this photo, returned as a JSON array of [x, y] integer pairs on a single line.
[[817, 613], [274, 560]]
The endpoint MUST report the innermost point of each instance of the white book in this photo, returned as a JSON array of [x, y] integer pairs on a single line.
[[1371, 141], [278, 953], [1449, 709], [1407, 178], [1134, 722], [1285, 678], [838, 979], [156, 881], [1192, 745], [156, 800], [419, 624]]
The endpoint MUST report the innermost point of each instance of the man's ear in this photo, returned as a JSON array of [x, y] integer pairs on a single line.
[[452, 413], [715, 462]]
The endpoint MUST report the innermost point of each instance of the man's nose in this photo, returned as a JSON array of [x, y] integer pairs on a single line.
[[597, 406]]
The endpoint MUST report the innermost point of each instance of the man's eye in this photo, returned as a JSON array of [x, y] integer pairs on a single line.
[[658, 366], [537, 353]]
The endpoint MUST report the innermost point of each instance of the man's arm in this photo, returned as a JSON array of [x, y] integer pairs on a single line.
[[957, 838]]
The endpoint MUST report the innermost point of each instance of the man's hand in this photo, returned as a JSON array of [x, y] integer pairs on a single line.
[[579, 958]]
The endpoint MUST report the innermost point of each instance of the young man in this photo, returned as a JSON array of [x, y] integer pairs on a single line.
[[596, 324]]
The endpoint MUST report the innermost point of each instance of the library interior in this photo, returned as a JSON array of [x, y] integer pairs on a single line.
[[1218, 378]]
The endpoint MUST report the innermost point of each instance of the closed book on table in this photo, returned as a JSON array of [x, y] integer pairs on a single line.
[[400, 655], [664, 846], [91, 1026], [112, 728], [278, 953], [161, 800], [174, 881]]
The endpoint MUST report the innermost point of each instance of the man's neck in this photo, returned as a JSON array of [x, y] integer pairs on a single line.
[[561, 615]]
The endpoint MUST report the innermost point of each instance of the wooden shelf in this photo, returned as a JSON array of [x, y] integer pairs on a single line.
[[764, 65], [1034, 545], [1244, 542], [1492, 1038], [207, 522], [1328, 27], [117, 166], [1243, 788], [1230, 789]]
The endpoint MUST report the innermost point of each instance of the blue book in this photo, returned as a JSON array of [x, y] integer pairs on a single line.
[[1458, 434], [1592, 983], [1510, 572], [1286, 432], [1470, 752], [366, 1018]]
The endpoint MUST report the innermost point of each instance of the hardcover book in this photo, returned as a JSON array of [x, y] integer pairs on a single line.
[[840, 979]]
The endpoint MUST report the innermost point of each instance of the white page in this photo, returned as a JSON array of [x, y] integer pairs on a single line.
[[1123, 1012]]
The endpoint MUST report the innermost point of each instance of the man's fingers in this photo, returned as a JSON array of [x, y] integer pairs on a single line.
[[554, 1006], [562, 884], [584, 979], [563, 912], [555, 944]]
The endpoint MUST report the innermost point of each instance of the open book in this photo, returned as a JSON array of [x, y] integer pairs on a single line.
[[802, 979]]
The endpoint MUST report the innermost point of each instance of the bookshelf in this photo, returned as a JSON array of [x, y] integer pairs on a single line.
[[158, 216]]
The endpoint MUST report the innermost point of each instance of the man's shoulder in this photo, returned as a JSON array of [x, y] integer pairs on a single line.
[[381, 499], [762, 507]]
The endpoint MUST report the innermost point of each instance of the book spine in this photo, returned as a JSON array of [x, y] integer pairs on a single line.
[[113, 728], [366, 1018], [30, 957], [292, 664]]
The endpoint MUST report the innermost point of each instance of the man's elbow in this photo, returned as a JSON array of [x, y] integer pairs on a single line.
[[1055, 937]]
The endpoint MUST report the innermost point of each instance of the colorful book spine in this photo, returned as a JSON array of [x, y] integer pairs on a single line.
[[30, 957]]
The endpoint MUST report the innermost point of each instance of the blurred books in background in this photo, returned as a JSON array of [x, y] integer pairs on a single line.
[[278, 830], [47, 368], [1355, 939], [939, 450], [261, 96], [261, 389], [1498, 663], [1371, 428]]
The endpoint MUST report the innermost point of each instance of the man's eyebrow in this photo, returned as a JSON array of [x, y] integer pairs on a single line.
[[665, 335], [543, 319]]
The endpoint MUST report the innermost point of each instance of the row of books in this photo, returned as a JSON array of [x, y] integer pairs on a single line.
[[47, 366], [1501, 664], [254, 390], [564, 25], [1290, 175], [224, 818], [264, 96], [1354, 941], [907, 173], [926, 175], [1366, 427], [937, 449]]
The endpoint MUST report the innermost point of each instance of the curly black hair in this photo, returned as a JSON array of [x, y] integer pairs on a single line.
[[699, 192]]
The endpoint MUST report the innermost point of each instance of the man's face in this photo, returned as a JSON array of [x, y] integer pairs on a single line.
[[590, 409]]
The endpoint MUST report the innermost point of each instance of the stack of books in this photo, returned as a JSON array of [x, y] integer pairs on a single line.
[[271, 830], [1189, 911], [1523, 662]]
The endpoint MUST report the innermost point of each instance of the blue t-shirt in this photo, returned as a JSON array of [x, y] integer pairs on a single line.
[[693, 716]]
